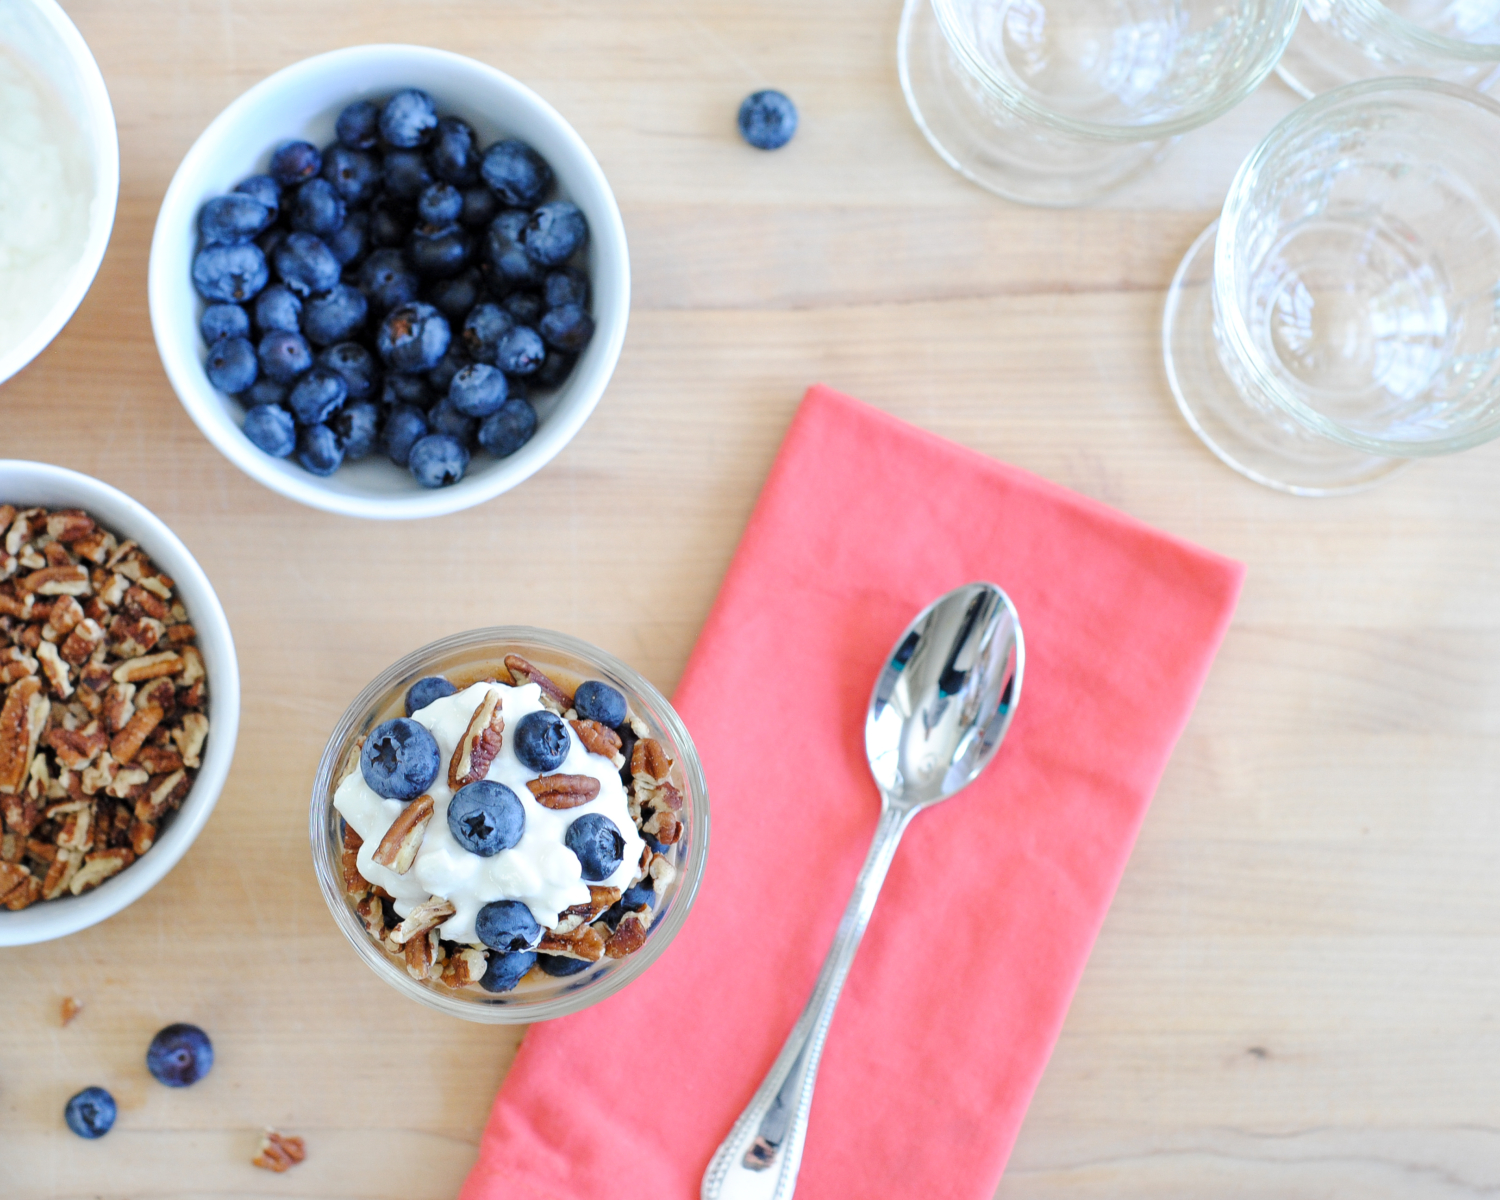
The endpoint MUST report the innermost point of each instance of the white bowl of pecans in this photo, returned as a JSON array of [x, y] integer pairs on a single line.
[[119, 701]]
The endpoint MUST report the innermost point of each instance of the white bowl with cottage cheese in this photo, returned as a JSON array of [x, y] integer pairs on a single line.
[[539, 870], [59, 176]]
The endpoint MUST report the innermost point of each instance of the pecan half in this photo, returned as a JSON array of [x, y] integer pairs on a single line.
[[22, 720], [150, 666], [523, 672], [481, 742], [278, 1152], [431, 913], [56, 581], [398, 848], [563, 791], [597, 739]]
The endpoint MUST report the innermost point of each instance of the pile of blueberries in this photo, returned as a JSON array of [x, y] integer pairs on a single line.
[[399, 761], [399, 290]]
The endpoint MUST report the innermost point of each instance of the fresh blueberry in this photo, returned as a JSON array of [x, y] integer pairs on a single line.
[[294, 162], [767, 120], [231, 364], [568, 328], [480, 207], [264, 391], [520, 351], [455, 297], [485, 818], [399, 759], [509, 429], [269, 240], [448, 421], [438, 460], [316, 395], [224, 321], [507, 925], [515, 172], [597, 701], [334, 316], [559, 966], [408, 119], [425, 691], [597, 842], [387, 280], [355, 364], [406, 175], [358, 125], [180, 1055], [542, 741], [656, 847], [91, 1113], [356, 427], [639, 895], [270, 427], [317, 208], [478, 390], [278, 307], [565, 286], [407, 389], [231, 274], [440, 205], [555, 233], [265, 189], [413, 337], [439, 255], [237, 217], [319, 450], [352, 173], [554, 368], [505, 970], [453, 154], [283, 356], [349, 243], [390, 220], [526, 307], [504, 254], [454, 360], [404, 428], [306, 264], [485, 325]]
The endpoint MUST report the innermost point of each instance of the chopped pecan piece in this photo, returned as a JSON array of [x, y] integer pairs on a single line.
[[99, 866], [552, 695], [189, 738], [372, 913], [57, 581], [142, 835], [119, 706], [70, 1009], [11, 875], [166, 793], [68, 525], [650, 759], [563, 791], [151, 666], [56, 671], [354, 883], [585, 942], [16, 664], [65, 615], [178, 634], [192, 667], [464, 967], [22, 720], [159, 760], [133, 736], [147, 602], [60, 873], [628, 937], [663, 825], [24, 895], [398, 848], [87, 636], [597, 739], [431, 913], [421, 955], [278, 1152], [481, 742], [600, 898]]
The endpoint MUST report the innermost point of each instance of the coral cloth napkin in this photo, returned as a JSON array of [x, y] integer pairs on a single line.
[[995, 896]]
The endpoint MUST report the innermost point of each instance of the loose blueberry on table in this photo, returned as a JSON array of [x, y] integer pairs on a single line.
[[767, 119], [432, 275], [180, 1055], [402, 760], [91, 1113]]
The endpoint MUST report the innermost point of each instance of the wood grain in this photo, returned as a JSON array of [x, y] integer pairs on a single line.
[[1295, 992]]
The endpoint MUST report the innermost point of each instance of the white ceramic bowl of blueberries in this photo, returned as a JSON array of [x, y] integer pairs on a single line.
[[390, 282]]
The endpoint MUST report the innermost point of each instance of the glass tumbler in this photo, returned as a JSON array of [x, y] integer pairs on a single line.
[[1342, 315], [1055, 102], [1342, 41]]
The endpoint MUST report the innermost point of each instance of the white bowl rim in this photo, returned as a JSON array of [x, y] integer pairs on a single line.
[[106, 167], [185, 372], [51, 919]]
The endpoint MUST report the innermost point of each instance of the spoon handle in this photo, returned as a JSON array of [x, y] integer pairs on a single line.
[[760, 1157]]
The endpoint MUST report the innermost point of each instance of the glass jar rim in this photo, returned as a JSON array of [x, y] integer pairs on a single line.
[[1231, 318], [1386, 21], [593, 989], [1279, 24]]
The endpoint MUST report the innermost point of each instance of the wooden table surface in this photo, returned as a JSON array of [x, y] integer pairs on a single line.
[[1297, 991]]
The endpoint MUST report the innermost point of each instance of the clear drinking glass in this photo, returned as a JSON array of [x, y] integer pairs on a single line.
[[1342, 316], [1055, 102], [1342, 41]]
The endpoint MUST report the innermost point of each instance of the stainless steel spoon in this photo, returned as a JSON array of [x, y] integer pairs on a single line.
[[943, 701]]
